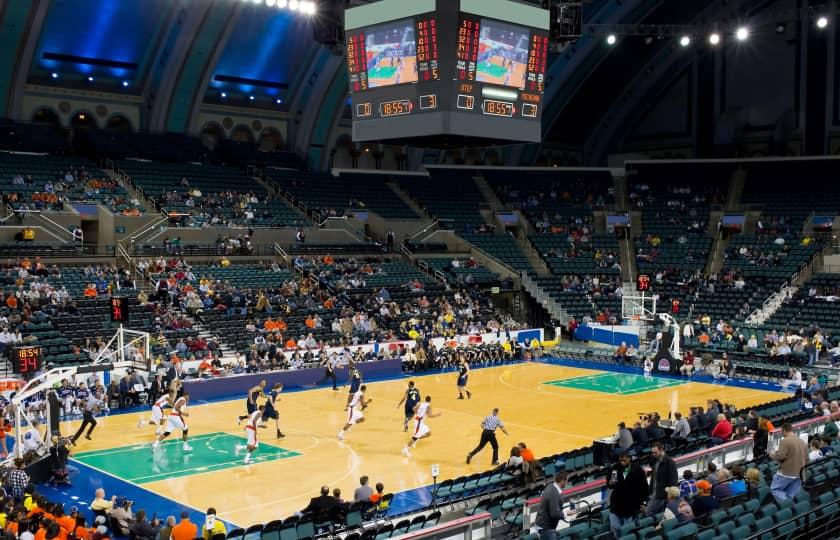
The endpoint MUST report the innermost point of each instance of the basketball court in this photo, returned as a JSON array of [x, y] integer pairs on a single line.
[[551, 407]]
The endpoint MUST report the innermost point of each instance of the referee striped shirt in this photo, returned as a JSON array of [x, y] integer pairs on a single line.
[[492, 422]]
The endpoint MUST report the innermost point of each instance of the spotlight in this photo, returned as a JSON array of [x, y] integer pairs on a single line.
[[270, 3], [685, 41], [648, 40], [742, 33], [780, 28], [90, 79], [251, 98], [822, 21], [293, 5], [714, 38], [307, 8], [611, 39], [125, 84], [257, 1], [282, 3], [278, 101], [224, 95], [55, 75]]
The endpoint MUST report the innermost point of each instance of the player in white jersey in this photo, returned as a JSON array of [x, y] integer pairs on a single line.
[[421, 429], [355, 407], [251, 433], [157, 413], [177, 420]]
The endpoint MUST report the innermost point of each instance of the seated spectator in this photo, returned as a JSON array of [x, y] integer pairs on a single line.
[[738, 485], [376, 498], [640, 435], [621, 353], [364, 491], [141, 529], [623, 439], [688, 487], [676, 507], [100, 505], [212, 526], [704, 503], [722, 490], [515, 463], [185, 529], [323, 508], [815, 453], [722, 431]]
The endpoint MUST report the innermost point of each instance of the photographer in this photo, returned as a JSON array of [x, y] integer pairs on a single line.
[[59, 454], [121, 516]]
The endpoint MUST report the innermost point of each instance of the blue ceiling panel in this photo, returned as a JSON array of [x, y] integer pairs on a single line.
[[119, 32], [266, 45]]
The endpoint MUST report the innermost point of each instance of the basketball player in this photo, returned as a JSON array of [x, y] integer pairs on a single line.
[[355, 381], [67, 396], [270, 409], [355, 407], [411, 399], [463, 377], [176, 420], [251, 401], [157, 413], [421, 430], [251, 433]]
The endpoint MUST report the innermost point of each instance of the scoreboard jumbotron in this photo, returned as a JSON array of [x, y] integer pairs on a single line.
[[427, 71]]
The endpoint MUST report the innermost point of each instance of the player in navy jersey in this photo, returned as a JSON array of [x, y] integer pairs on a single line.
[[463, 378], [355, 381], [411, 398], [270, 410], [251, 403]]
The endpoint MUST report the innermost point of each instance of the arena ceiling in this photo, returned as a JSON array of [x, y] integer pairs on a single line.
[[180, 54]]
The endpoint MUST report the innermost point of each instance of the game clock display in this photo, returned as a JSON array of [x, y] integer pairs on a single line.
[[27, 360], [468, 68]]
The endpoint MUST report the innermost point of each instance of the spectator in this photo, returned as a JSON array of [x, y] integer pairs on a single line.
[[166, 530], [722, 431], [663, 474], [515, 463], [185, 529], [703, 503], [792, 456], [722, 490], [212, 526], [100, 505], [752, 479], [681, 429], [364, 491], [738, 485], [624, 439], [760, 439], [550, 509], [815, 454], [17, 479], [526, 453], [629, 491], [688, 487], [376, 497], [141, 529], [122, 516], [323, 508], [711, 473], [640, 436], [676, 507]]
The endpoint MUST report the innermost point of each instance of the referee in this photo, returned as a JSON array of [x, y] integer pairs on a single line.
[[488, 435], [93, 405]]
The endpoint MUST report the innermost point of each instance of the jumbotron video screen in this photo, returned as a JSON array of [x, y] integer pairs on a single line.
[[428, 71]]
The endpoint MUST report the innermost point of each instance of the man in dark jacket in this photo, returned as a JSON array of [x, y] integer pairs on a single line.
[[323, 508], [640, 436], [550, 509], [663, 474], [629, 491]]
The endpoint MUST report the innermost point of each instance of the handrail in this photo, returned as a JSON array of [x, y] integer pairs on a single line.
[[164, 218], [57, 225], [280, 251], [423, 230]]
